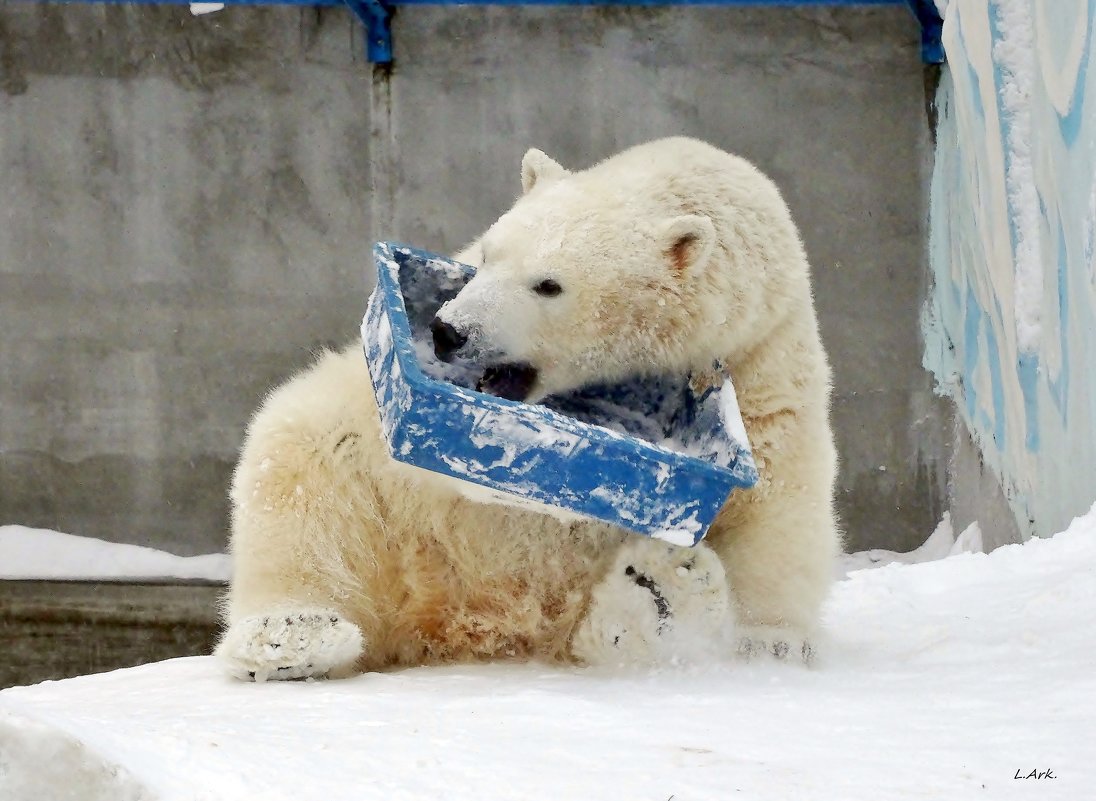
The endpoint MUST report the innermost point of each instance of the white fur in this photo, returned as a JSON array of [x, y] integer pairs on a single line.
[[673, 256], [291, 643], [623, 623]]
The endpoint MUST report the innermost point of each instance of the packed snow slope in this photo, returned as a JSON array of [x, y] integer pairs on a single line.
[[941, 680]]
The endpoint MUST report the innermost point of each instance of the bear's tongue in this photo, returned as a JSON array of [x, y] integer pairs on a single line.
[[512, 381]]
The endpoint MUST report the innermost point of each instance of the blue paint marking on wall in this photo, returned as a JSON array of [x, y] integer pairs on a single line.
[[1059, 386], [972, 75], [972, 324], [996, 385], [1070, 123], [1027, 367], [1032, 412]]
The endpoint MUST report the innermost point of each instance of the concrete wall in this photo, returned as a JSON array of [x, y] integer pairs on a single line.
[[183, 216], [1011, 323], [57, 629], [186, 207]]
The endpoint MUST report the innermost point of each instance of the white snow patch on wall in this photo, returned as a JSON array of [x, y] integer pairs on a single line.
[[1014, 53]]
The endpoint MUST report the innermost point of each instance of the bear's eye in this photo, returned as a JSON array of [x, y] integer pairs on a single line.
[[548, 288]]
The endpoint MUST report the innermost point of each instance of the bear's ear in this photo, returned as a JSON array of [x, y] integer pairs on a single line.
[[687, 242], [538, 168]]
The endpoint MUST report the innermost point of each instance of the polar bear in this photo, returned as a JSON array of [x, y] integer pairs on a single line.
[[672, 256]]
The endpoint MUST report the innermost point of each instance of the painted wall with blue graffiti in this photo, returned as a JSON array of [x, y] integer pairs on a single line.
[[1010, 325]]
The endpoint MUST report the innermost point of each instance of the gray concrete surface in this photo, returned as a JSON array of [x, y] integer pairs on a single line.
[[58, 629], [976, 495], [183, 216], [186, 205]]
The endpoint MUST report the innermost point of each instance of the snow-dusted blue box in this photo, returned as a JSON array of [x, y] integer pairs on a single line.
[[651, 456]]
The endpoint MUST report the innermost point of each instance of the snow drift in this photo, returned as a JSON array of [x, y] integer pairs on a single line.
[[946, 679], [35, 553]]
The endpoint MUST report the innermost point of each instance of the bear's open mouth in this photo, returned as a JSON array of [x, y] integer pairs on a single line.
[[512, 380]]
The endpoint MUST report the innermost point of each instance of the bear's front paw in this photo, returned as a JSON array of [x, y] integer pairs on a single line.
[[658, 601], [776, 642], [290, 644]]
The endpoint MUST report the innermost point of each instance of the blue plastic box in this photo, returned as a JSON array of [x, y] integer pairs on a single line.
[[650, 455]]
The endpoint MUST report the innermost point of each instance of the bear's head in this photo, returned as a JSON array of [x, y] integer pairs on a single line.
[[586, 280]]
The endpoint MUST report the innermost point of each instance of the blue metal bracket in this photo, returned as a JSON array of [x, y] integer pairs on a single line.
[[376, 16], [932, 29]]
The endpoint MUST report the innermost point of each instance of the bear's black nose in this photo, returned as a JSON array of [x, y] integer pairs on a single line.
[[447, 339]]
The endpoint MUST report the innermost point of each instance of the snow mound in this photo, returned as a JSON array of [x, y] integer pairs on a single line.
[[34, 553], [60, 765], [941, 544], [946, 679]]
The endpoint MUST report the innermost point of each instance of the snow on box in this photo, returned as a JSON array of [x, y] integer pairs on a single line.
[[953, 679], [652, 455]]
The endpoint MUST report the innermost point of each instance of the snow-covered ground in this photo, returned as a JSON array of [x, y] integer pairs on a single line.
[[941, 680], [34, 553]]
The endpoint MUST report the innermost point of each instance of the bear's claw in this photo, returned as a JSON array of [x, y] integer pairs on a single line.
[[761, 641], [662, 606]]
